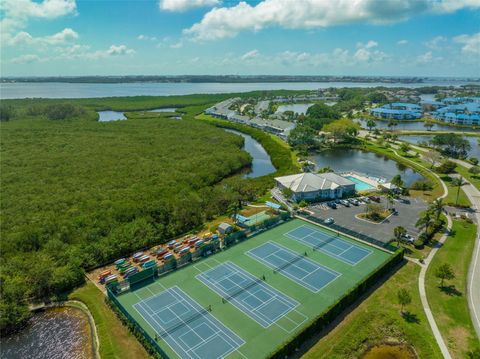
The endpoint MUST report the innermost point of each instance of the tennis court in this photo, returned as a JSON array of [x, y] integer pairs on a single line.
[[190, 330], [297, 267], [251, 295], [330, 244]]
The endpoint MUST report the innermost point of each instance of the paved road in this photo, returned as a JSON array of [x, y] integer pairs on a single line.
[[473, 281]]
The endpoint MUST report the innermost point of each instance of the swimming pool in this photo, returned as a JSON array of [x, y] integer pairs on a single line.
[[359, 184]]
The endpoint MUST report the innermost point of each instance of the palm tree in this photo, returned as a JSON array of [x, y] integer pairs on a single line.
[[458, 182], [425, 221], [389, 196], [437, 207], [399, 232]]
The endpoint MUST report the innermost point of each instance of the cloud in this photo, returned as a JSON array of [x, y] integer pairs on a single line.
[[142, 37], [250, 55], [177, 45], [402, 42], [24, 38], [436, 43], [119, 50], [471, 43], [225, 22], [365, 53], [425, 58], [25, 59], [47, 9], [184, 5]]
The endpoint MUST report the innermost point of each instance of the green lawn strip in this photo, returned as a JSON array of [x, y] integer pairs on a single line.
[[260, 342], [451, 199], [377, 320], [450, 306], [473, 179], [115, 339]]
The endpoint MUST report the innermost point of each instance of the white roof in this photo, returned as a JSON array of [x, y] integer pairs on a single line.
[[310, 182]]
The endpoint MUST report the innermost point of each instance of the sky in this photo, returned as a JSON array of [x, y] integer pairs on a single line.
[[219, 37]]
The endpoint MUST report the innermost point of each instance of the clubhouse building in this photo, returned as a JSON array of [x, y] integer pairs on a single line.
[[316, 186]]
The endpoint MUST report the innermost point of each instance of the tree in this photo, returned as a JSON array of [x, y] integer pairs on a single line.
[[397, 181], [371, 124], [405, 147], [391, 124], [447, 167], [451, 144], [404, 298], [432, 157], [425, 221], [475, 170], [437, 208], [444, 272], [287, 192], [325, 170], [458, 182], [342, 129], [389, 196], [302, 136], [399, 232]]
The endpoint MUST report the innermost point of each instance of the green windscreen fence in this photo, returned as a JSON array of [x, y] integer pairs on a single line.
[[148, 273]]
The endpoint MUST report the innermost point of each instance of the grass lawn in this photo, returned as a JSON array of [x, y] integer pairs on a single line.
[[449, 305], [473, 179], [451, 199], [377, 319], [116, 342]]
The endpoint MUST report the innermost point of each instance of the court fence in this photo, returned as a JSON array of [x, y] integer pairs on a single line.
[[338, 228], [143, 337], [327, 317]]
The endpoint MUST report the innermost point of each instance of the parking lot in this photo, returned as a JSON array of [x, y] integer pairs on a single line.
[[407, 215]]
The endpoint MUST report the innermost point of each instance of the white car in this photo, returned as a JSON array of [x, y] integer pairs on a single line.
[[408, 238], [329, 220]]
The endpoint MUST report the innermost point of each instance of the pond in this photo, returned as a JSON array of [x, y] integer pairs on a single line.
[[369, 163], [261, 163], [107, 116], [418, 126], [416, 139], [300, 108], [56, 333], [170, 109]]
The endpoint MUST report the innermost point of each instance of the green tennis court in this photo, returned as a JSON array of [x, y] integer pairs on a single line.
[[246, 301]]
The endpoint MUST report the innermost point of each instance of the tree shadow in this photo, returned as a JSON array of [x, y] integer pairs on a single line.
[[451, 290], [410, 317]]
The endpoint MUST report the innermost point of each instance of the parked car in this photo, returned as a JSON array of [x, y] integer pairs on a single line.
[[329, 220], [408, 238], [332, 205], [353, 201], [374, 198], [365, 199], [345, 202], [337, 201]]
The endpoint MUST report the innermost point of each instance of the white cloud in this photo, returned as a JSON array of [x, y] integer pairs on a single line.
[[177, 45], [402, 42], [183, 5], [250, 55], [142, 37], [25, 59], [24, 37], [224, 22], [365, 53], [48, 9], [471, 43], [425, 58], [436, 43], [115, 50]]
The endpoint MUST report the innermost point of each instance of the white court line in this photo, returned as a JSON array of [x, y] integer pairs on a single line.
[[289, 275], [234, 270], [305, 318]]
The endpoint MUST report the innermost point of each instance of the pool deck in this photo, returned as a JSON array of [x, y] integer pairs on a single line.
[[364, 178]]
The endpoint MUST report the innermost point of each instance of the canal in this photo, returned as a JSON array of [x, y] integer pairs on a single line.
[[261, 162]]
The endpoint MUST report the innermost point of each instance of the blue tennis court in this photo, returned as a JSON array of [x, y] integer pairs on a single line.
[[330, 244], [251, 295], [294, 266], [190, 330]]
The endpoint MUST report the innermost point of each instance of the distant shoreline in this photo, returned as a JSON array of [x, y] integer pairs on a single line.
[[228, 79]]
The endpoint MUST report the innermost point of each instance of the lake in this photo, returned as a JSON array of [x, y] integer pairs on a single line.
[[418, 126], [107, 116], [59, 333], [474, 152], [261, 163], [87, 90], [300, 108], [369, 163]]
